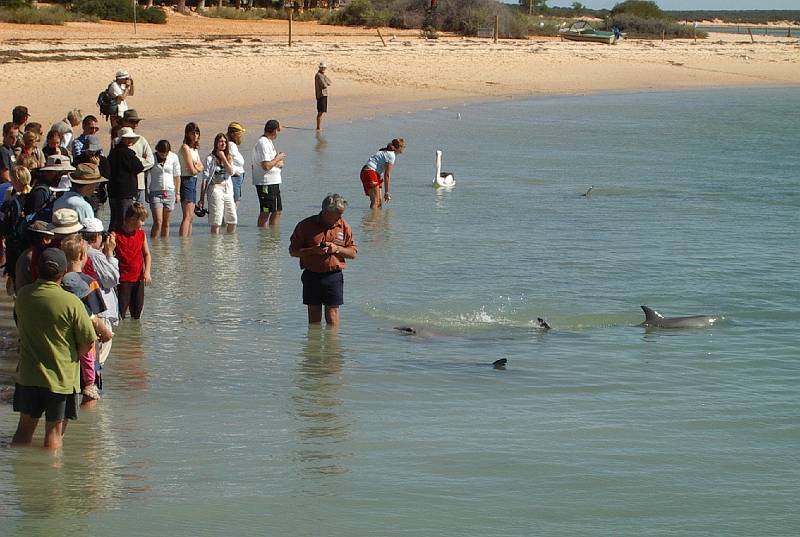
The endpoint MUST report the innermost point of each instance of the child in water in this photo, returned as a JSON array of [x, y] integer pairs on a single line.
[[134, 258]]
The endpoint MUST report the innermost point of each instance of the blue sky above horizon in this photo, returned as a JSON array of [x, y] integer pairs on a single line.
[[685, 5]]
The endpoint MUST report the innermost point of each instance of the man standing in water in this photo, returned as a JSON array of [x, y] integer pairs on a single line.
[[323, 242], [321, 83], [54, 330], [267, 166]]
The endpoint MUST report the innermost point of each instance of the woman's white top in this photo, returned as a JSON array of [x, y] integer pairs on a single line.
[[215, 172], [162, 175], [185, 166], [236, 159]]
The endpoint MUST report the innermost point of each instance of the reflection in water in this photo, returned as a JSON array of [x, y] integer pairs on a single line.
[[322, 143], [375, 226], [323, 426], [441, 196], [48, 491], [268, 267]]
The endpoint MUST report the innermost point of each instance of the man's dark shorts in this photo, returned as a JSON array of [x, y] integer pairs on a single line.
[[269, 198], [35, 401], [322, 104], [323, 288]]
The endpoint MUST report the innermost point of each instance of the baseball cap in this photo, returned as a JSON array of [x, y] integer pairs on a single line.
[[52, 262], [92, 225], [234, 126]]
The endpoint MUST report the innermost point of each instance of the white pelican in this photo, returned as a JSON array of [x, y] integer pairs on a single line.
[[442, 179]]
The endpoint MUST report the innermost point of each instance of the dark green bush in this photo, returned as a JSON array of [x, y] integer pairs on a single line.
[[48, 15], [119, 10], [640, 27], [640, 8], [14, 4]]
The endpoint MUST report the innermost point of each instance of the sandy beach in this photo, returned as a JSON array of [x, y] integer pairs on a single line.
[[195, 68]]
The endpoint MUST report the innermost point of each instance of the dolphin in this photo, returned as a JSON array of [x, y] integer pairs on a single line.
[[542, 324], [500, 364], [653, 319]]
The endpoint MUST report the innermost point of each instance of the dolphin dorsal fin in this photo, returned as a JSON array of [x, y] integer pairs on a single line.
[[651, 314]]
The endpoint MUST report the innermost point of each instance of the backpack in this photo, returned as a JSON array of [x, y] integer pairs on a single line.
[[14, 225], [108, 104], [14, 229]]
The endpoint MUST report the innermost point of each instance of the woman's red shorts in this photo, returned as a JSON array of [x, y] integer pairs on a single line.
[[370, 179]]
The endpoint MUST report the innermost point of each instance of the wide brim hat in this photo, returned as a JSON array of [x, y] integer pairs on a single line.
[[93, 143], [131, 115], [87, 174], [65, 222], [122, 74], [127, 132], [57, 163]]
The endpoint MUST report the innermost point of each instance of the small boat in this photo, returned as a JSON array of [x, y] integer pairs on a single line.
[[442, 179], [583, 31]]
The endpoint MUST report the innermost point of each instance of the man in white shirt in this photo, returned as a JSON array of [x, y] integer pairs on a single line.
[[267, 166], [120, 89]]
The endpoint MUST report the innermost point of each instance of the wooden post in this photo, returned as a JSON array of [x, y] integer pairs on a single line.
[[788, 32], [496, 27], [379, 35], [291, 15], [663, 34], [749, 31], [134, 16]]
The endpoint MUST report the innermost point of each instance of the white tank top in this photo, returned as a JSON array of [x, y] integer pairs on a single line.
[[185, 165]]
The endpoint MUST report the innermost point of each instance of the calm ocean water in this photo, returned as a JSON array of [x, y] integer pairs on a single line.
[[226, 414]]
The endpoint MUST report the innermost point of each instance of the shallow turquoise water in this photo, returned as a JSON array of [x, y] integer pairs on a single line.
[[226, 414]]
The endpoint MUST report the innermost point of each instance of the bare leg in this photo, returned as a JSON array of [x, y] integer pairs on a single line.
[[54, 434], [167, 214], [274, 218], [375, 198], [215, 230], [319, 120], [262, 219], [156, 222], [230, 228], [332, 315], [186, 221], [314, 313], [25, 429]]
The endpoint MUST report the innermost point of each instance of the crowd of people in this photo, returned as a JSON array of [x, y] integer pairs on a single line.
[[74, 279]]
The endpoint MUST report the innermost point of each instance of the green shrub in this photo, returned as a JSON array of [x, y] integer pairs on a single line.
[[640, 8], [640, 27], [119, 10], [49, 15], [14, 4], [232, 13]]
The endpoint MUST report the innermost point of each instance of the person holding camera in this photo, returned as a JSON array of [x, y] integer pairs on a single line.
[[324, 242], [218, 187], [120, 89]]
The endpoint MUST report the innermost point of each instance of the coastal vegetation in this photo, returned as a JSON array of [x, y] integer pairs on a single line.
[[27, 12]]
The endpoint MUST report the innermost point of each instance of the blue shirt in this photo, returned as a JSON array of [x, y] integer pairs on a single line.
[[379, 160], [73, 200]]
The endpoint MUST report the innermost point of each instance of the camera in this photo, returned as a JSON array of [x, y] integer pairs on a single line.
[[322, 244], [200, 211]]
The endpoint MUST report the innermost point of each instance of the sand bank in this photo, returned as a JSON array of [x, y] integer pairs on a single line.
[[194, 68]]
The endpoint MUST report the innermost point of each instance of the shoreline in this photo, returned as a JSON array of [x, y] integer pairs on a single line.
[[244, 70]]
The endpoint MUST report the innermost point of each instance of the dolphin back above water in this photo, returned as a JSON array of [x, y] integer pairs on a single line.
[[653, 319]]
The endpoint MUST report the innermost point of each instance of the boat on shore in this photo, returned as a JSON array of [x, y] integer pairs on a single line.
[[583, 31]]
